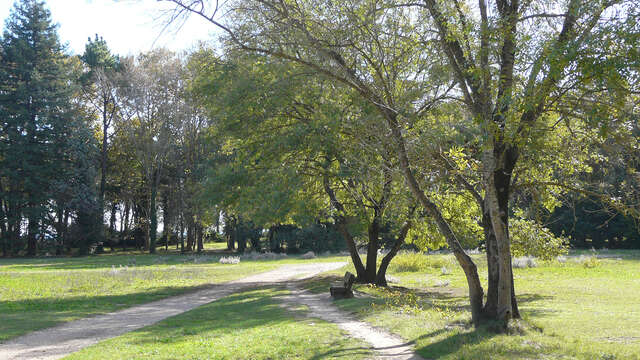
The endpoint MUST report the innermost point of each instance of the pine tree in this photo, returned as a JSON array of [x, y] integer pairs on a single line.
[[38, 116]]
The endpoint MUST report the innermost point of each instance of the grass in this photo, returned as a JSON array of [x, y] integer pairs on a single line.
[[585, 307], [571, 310], [39, 293], [246, 325]]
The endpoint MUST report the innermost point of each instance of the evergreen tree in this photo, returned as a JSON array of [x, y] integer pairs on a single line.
[[38, 117]]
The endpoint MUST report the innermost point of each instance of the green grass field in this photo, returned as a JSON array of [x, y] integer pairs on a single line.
[[39, 293], [582, 308], [571, 311], [246, 325]]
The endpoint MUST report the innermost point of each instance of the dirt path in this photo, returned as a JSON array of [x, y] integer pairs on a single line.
[[64, 339], [385, 345]]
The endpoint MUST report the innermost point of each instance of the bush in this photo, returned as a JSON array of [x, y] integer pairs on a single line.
[[589, 261], [524, 262], [528, 238], [230, 260]]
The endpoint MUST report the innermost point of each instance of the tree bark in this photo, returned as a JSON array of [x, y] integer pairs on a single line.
[[59, 231], [476, 294], [112, 225], [166, 221], [372, 251], [199, 237], [125, 229], [381, 277], [153, 213], [499, 164], [493, 274], [32, 231], [103, 162], [341, 225], [181, 234]]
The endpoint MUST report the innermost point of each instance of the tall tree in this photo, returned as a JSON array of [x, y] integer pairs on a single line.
[[152, 98], [37, 113], [100, 87], [516, 64]]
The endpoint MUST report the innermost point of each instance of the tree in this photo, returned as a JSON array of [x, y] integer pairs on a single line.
[[100, 86], [152, 92], [383, 52], [536, 77], [295, 156], [391, 53], [39, 119]]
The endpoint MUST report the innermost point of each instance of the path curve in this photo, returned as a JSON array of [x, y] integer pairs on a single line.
[[59, 341], [384, 344]]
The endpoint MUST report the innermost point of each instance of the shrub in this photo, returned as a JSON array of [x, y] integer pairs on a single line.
[[308, 255], [524, 262], [528, 238], [589, 261], [230, 260]]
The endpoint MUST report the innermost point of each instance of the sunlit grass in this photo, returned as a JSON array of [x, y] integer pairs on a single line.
[[39, 293], [246, 325], [570, 310]]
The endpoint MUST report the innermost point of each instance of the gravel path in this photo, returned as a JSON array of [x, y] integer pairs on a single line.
[[385, 345], [61, 340]]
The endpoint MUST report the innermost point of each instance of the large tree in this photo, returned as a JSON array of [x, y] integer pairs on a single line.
[[298, 156], [100, 85], [507, 76], [518, 63], [39, 119]]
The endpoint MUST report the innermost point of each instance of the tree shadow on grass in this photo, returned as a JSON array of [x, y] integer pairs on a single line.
[[452, 344], [256, 314], [23, 316]]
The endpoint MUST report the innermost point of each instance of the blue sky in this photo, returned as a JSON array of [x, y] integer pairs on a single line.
[[128, 26]]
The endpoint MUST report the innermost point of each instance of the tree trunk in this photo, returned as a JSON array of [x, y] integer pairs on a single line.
[[125, 231], [166, 221], [65, 225], [341, 225], [499, 164], [112, 225], [103, 163], [353, 250], [476, 294], [4, 223], [190, 233], [491, 305], [59, 232], [31, 235], [153, 213], [372, 251], [181, 235], [199, 237], [381, 277]]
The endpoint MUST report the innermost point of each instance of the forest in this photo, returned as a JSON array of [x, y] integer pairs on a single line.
[[364, 126]]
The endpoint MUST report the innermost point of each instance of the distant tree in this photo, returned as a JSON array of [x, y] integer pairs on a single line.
[[100, 85]]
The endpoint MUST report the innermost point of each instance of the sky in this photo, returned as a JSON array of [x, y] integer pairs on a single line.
[[128, 26]]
